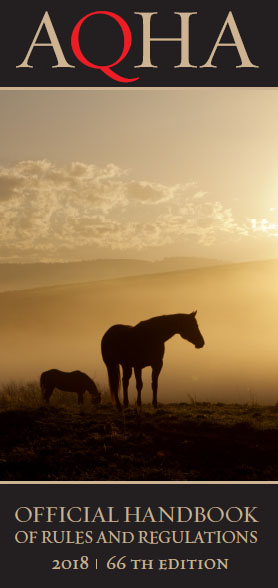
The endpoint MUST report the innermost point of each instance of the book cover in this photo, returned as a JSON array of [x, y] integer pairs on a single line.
[[138, 278]]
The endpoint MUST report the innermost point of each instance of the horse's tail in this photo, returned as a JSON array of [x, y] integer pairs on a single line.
[[113, 370], [43, 386], [43, 382]]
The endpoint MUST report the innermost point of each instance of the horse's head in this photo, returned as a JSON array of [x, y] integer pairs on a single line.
[[95, 394], [190, 330]]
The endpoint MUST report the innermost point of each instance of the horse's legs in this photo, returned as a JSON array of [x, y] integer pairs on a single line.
[[139, 384], [127, 371], [80, 396], [155, 373]]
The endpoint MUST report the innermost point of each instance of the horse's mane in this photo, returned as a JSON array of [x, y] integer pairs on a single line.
[[161, 318]]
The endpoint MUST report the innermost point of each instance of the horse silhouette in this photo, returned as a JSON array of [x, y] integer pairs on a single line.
[[143, 345], [69, 381]]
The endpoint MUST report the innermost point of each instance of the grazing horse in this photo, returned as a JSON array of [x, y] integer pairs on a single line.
[[71, 382], [143, 345]]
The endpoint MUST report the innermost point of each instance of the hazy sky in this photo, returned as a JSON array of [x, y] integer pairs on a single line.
[[139, 173]]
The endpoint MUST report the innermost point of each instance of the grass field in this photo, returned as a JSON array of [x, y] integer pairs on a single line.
[[194, 441]]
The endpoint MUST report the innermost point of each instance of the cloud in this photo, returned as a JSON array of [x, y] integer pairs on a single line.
[[46, 209], [149, 192], [8, 186]]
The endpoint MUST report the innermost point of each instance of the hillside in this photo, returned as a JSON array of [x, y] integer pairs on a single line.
[[62, 327], [20, 276]]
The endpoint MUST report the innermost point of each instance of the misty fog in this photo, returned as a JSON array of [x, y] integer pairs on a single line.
[[61, 327]]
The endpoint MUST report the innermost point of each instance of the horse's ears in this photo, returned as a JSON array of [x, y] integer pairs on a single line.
[[194, 313]]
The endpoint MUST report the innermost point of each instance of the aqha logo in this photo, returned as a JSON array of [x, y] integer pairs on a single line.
[[147, 43]]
